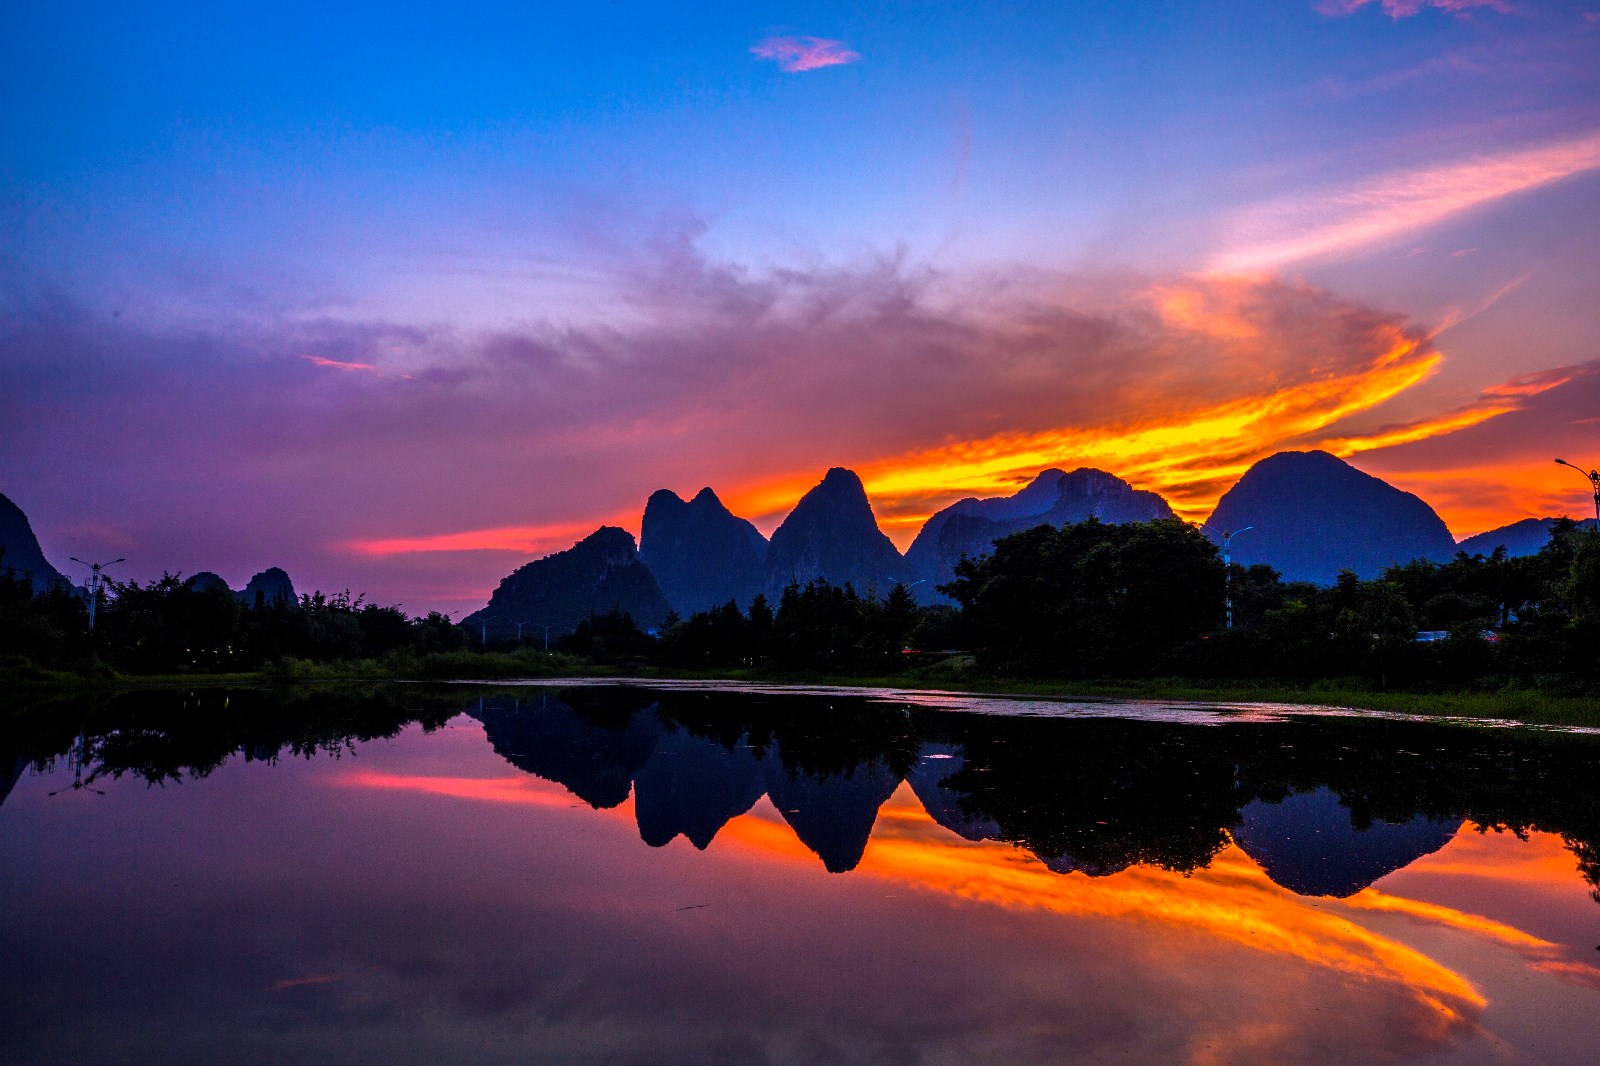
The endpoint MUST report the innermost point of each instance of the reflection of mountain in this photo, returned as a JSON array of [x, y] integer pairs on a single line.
[[832, 814], [694, 786], [936, 763], [1086, 795], [10, 777], [1308, 843], [546, 737]]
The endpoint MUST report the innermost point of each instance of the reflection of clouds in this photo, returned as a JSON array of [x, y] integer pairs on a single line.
[[518, 789], [469, 916]]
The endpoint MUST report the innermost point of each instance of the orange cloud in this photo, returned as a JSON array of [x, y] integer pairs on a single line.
[[1304, 372], [522, 540], [1342, 221], [796, 54]]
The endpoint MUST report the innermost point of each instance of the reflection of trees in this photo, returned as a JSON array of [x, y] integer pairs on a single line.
[[1099, 795], [164, 736], [1094, 795]]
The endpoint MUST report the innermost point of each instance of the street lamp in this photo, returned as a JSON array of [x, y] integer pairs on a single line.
[[94, 583], [537, 625], [1594, 483], [1227, 570]]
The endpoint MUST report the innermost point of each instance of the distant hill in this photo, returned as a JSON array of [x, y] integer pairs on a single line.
[[270, 588], [702, 555], [600, 573], [1314, 514], [832, 534], [1519, 538], [22, 553], [971, 526]]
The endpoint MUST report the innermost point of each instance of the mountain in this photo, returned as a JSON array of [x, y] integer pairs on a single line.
[[600, 573], [22, 553], [1309, 844], [1314, 514], [832, 534], [701, 554], [971, 526], [206, 581], [270, 588], [1519, 538]]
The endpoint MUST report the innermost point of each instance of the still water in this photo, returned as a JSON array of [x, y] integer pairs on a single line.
[[617, 874]]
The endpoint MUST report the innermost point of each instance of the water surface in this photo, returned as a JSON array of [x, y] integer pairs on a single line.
[[616, 874]]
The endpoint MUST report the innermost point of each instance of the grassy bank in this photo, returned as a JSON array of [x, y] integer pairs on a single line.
[[1530, 705]]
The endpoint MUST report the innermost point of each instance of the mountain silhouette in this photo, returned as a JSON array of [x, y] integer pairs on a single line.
[[206, 581], [1519, 538], [831, 534], [22, 554], [694, 786], [594, 758], [832, 814], [1309, 845], [1313, 514], [599, 574], [937, 763], [971, 526], [702, 555], [270, 588]]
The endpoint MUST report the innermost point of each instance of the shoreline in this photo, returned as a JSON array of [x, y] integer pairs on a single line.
[[1527, 706]]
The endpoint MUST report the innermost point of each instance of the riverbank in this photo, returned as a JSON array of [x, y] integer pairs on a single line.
[[1530, 705]]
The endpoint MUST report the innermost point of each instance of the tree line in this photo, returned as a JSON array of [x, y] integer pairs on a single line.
[[1086, 600]]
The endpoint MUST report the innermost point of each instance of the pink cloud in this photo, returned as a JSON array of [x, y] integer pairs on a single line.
[[369, 368], [796, 54], [1337, 222], [1399, 9]]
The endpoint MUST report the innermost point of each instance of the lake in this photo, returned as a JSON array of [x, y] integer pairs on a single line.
[[611, 873]]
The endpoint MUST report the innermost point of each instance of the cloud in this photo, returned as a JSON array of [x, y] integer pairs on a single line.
[[1399, 9], [796, 54], [1499, 470], [222, 448], [1340, 222], [368, 368]]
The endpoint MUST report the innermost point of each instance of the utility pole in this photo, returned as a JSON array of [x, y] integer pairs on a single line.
[[1227, 571], [95, 578], [1594, 483]]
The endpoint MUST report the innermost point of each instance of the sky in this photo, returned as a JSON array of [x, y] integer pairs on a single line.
[[401, 297]]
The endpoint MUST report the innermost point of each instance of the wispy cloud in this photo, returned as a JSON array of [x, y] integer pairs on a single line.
[[1399, 9], [796, 54], [1340, 222], [366, 368]]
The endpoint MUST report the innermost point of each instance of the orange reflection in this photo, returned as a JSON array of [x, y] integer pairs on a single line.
[[515, 789]]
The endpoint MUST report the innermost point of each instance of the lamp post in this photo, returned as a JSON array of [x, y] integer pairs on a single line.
[[95, 578], [1594, 483], [539, 625], [1227, 570]]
